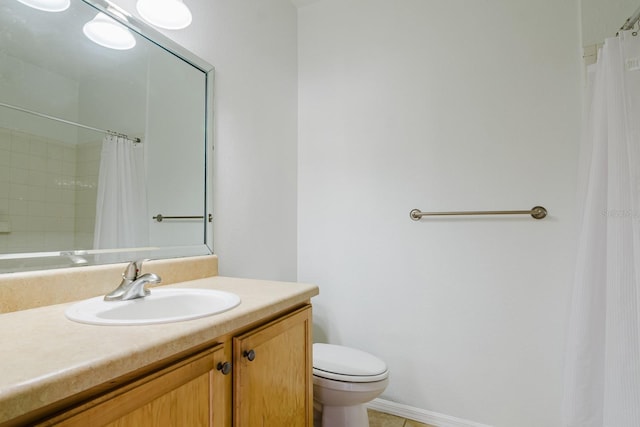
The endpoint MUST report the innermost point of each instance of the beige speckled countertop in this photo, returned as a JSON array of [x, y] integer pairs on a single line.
[[46, 358]]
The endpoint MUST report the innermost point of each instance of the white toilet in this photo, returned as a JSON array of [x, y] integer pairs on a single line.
[[344, 379]]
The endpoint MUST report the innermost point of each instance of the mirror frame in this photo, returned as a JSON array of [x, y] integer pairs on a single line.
[[27, 261]]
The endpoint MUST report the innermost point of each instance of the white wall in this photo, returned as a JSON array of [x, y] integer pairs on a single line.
[[603, 18], [442, 105], [252, 44]]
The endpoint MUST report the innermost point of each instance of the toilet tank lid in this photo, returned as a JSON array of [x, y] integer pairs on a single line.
[[342, 360]]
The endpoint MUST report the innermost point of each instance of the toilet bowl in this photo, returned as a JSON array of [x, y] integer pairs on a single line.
[[344, 379]]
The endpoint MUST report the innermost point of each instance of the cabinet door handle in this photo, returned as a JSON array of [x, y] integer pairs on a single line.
[[249, 355], [225, 367]]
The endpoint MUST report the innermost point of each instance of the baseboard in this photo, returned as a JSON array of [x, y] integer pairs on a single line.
[[420, 415]]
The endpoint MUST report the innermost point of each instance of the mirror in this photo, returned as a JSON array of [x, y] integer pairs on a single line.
[[103, 152]]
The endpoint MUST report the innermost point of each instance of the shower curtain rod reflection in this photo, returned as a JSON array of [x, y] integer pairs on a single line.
[[69, 122], [631, 21]]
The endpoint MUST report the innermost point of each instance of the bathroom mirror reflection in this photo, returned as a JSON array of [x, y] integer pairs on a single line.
[[96, 141]]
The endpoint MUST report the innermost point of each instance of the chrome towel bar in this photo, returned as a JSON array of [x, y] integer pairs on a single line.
[[161, 217], [537, 212]]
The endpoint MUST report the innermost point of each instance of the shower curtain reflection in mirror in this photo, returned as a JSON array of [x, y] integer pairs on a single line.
[[121, 206], [602, 385]]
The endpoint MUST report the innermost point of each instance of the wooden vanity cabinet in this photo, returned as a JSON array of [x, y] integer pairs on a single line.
[[268, 382], [188, 393], [272, 374]]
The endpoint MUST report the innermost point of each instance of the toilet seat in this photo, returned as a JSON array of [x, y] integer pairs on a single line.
[[335, 362]]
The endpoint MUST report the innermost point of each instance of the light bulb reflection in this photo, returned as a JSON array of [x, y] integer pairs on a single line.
[[107, 32]]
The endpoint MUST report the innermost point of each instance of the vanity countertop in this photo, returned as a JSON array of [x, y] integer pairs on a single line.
[[46, 358]]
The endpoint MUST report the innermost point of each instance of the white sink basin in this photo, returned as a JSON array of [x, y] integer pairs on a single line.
[[161, 306]]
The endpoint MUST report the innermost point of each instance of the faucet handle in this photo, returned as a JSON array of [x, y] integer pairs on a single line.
[[130, 279], [132, 271], [137, 288]]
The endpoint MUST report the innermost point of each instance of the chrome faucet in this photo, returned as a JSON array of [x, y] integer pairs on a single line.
[[133, 284]]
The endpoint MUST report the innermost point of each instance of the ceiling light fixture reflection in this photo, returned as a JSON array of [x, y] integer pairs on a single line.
[[47, 5], [107, 32], [169, 14]]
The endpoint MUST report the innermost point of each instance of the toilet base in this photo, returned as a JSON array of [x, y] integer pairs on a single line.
[[343, 403], [345, 416]]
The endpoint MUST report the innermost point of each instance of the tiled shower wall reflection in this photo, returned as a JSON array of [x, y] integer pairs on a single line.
[[87, 167], [47, 193]]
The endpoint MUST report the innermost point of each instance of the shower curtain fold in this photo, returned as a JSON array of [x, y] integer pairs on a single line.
[[121, 206], [602, 372]]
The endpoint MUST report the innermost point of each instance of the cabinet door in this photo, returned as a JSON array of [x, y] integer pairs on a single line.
[[272, 383], [186, 393]]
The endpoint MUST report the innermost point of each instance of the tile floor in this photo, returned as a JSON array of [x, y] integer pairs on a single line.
[[380, 419]]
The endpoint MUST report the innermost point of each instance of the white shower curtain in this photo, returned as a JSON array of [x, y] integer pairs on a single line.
[[602, 384], [121, 207]]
